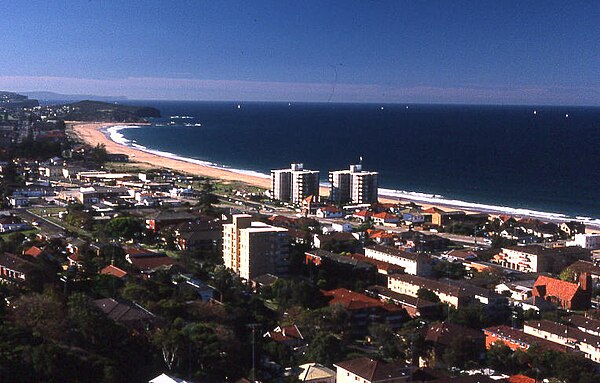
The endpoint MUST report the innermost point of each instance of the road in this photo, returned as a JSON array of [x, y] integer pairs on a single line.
[[44, 225]]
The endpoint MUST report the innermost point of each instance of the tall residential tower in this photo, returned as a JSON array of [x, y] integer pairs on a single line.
[[353, 186], [294, 184]]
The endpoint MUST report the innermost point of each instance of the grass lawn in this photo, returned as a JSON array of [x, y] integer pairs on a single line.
[[26, 233]]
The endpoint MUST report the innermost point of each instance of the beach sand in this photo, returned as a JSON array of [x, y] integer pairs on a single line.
[[92, 134]]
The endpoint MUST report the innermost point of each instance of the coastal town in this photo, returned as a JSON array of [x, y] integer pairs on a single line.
[[120, 265]]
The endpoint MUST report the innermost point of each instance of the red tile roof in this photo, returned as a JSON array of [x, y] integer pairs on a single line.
[[114, 271], [351, 300], [385, 216], [379, 234], [552, 287], [363, 213], [521, 379], [151, 263], [33, 251], [285, 334]]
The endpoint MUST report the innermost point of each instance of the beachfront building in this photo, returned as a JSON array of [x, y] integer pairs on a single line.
[[294, 184], [254, 248], [353, 185]]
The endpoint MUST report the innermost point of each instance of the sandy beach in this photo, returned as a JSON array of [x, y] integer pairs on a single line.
[[93, 133]]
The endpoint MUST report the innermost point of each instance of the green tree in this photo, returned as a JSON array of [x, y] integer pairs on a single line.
[[427, 295], [569, 275], [124, 227], [325, 348]]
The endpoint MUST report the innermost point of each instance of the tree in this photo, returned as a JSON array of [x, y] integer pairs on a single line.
[[390, 345], [445, 269], [427, 295], [124, 227], [569, 275], [325, 348]]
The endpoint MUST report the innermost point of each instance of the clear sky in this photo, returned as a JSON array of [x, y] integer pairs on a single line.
[[504, 52]]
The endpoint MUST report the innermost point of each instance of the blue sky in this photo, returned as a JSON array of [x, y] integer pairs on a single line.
[[504, 52]]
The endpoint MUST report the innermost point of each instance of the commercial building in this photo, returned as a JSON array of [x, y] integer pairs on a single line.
[[353, 185], [294, 184], [252, 248]]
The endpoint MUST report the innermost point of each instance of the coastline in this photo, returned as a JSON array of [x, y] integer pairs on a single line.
[[107, 134]]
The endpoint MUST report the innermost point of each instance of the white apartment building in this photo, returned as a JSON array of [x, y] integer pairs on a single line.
[[294, 184], [253, 248], [587, 241], [354, 185], [413, 264]]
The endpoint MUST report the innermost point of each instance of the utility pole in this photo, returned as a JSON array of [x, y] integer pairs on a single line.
[[253, 326]]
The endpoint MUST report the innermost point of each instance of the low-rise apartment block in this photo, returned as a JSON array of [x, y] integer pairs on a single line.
[[412, 263], [454, 293], [539, 259], [569, 336]]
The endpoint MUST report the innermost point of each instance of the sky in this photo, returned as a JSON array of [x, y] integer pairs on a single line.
[[491, 52]]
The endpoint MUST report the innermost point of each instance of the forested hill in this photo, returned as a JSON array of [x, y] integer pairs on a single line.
[[10, 100], [102, 111]]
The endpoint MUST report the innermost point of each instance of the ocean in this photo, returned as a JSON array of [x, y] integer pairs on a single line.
[[530, 160]]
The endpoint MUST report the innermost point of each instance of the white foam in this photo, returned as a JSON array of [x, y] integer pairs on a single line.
[[435, 199], [114, 134]]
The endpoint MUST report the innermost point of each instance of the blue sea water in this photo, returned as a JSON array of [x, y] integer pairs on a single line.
[[540, 158]]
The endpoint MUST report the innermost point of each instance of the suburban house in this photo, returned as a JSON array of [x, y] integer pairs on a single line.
[[366, 370], [567, 295], [131, 315], [385, 219], [286, 335], [114, 271], [315, 373], [329, 212]]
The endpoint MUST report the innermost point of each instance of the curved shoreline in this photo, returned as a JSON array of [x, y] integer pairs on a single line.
[[95, 133]]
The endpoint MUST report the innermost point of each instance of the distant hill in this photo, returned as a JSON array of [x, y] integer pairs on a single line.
[[52, 96], [10, 100], [101, 111]]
